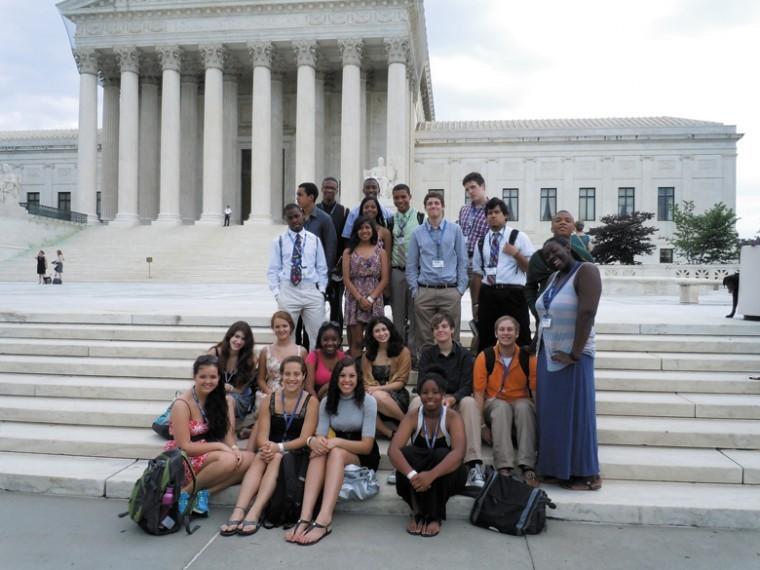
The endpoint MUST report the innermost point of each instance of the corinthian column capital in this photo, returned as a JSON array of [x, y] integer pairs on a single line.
[[128, 58], [261, 53], [170, 57], [87, 60], [397, 49], [351, 49], [306, 52], [213, 55]]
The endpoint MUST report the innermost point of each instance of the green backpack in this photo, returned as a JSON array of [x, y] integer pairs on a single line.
[[146, 505]]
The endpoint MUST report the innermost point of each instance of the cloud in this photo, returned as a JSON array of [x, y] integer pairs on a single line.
[[692, 17]]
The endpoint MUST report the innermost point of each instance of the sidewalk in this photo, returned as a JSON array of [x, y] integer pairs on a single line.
[[44, 532]]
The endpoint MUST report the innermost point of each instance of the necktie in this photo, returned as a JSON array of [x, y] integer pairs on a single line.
[[493, 260], [295, 261]]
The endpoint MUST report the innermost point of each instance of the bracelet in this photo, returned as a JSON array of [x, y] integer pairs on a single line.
[[370, 298], [411, 474], [308, 440], [281, 447], [476, 304]]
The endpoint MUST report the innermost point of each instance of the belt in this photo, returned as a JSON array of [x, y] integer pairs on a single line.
[[399, 267], [445, 286], [503, 286]]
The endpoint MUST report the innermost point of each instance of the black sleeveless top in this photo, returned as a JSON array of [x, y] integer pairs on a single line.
[[278, 427]]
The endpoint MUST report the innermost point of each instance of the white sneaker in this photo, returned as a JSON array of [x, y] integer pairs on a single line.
[[476, 477], [391, 480]]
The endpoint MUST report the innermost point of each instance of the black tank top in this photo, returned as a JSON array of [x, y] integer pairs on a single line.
[[278, 427]]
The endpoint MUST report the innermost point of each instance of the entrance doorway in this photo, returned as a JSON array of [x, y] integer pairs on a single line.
[[245, 184]]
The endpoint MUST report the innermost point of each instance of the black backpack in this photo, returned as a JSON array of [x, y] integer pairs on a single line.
[[509, 505], [145, 503], [284, 508], [523, 357], [512, 239]]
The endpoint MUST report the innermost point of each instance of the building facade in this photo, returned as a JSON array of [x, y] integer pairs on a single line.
[[234, 102]]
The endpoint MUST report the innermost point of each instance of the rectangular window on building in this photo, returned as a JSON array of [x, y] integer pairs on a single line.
[[64, 201], [587, 204], [97, 204], [548, 204], [511, 197], [666, 255], [626, 201], [32, 199], [666, 200]]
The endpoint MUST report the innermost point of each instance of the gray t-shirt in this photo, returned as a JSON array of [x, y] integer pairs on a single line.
[[350, 417]]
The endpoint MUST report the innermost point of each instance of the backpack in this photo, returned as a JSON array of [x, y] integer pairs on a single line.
[[284, 508], [523, 357], [510, 506], [512, 239], [165, 471]]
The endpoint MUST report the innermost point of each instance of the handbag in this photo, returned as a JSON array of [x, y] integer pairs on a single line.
[[359, 484], [161, 423]]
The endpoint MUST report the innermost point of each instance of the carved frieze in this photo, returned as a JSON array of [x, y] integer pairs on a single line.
[[306, 52], [261, 53], [87, 60], [128, 58], [170, 57], [351, 50]]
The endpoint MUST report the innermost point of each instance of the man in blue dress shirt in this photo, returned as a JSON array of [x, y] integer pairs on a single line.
[[436, 270], [297, 273], [370, 187]]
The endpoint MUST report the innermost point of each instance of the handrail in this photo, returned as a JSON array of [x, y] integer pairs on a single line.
[[55, 213]]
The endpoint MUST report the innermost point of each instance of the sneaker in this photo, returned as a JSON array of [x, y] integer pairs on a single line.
[[391, 480], [476, 477], [184, 497], [201, 503]]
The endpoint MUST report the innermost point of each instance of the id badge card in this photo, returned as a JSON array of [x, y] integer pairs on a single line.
[[438, 264], [546, 322], [490, 270]]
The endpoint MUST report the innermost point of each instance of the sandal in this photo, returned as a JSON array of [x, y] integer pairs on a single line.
[[234, 523], [416, 519], [427, 534], [583, 484], [529, 475], [326, 527], [292, 535], [255, 524]]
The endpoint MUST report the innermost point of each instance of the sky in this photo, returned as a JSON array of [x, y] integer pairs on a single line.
[[501, 59]]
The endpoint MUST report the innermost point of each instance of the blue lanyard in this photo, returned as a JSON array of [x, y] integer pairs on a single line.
[[289, 417], [556, 286], [430, 442], [198, 403], [440, 237]]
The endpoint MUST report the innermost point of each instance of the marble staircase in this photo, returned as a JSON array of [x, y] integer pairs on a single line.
[[678, 414]]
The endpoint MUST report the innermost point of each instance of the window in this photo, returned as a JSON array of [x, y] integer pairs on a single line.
[[64, 201], [98, 204], [466, 197], [548, 204], [626, 201], [666, 255], [666, 200], [511, 197], [587, 204], [32, 199]]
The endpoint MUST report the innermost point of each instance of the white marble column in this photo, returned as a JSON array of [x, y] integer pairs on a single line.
[[87, 64], [306, 103], [168, 205], [189, 134], [278, 118], [351, 119], [109, 157], [213, 134], [230, 155], [150, 141], [129, 108], [261, 133], [607, 201], [530, 199], [567, 195], [648, 202], [397, 138]]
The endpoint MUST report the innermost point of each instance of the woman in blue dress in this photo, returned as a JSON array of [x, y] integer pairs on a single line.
[[567, 442]]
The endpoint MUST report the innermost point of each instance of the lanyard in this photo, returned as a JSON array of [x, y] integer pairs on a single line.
[[439, 241], [289, 417], [198, 403], [556, 286], [430, 442]]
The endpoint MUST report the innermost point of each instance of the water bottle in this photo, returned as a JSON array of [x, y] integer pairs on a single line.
[[166, 506]]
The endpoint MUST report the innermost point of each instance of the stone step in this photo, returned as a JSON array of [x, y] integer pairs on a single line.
[[103, 348], [97, 387], [686, 405], [95, 366], [678, 343], [76, 411], [679, 432], [618, 502], [677, 381]]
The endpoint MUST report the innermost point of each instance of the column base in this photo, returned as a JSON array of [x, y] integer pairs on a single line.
[[168, 220], [126, 220], [259, 221], [210, 220]]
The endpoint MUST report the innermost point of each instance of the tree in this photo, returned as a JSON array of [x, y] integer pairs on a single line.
[[705, 238], [623, 237]]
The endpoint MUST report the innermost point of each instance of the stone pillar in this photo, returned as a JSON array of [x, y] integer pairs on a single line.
[[648, 201], [530, 199], [306, 57], [129, 108], [397, 138], [320, 126], [213, 134], [87, 150], [150, 140], [168, 210], [351, 120], [231, 180], [608, 197], [109, 156], [261, 132], [275, 192], [189, 135]]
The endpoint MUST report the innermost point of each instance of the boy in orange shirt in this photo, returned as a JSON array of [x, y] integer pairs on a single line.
[[505, 396]]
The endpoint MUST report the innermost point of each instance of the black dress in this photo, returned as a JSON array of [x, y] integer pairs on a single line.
[[431, 504], [41, 265], [382, 374]]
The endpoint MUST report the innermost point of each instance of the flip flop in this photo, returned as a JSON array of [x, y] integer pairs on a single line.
[[231, 522], [430, 534], [299, 522], [326, 527], [255, 524], [417, 520], [583, 484]]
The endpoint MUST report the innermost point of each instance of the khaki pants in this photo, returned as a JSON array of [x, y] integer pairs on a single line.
[[472, 421], [305, 301], [430, 301], [402, 306], [499, 415]]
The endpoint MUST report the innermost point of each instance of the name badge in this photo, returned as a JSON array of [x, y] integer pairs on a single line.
[[546, 322], [438, 263], [491, 270]]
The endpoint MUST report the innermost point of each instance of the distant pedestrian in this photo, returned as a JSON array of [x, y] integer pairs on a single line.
[[41, 267], [58, 267], [227, 214], [583, 236]]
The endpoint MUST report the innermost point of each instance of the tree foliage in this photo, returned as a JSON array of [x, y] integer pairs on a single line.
[[710, 237], [622, 238]]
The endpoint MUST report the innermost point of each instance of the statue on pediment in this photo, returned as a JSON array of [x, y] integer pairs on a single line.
[[385, 176]]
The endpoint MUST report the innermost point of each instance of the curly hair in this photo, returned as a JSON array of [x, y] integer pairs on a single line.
[[395, 342], [245, 367], [333, 391], [354, 239], [329, 326], [216, 402], [433, 374]]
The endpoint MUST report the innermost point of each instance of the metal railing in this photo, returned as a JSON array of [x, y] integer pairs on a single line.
[[55, 213]]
